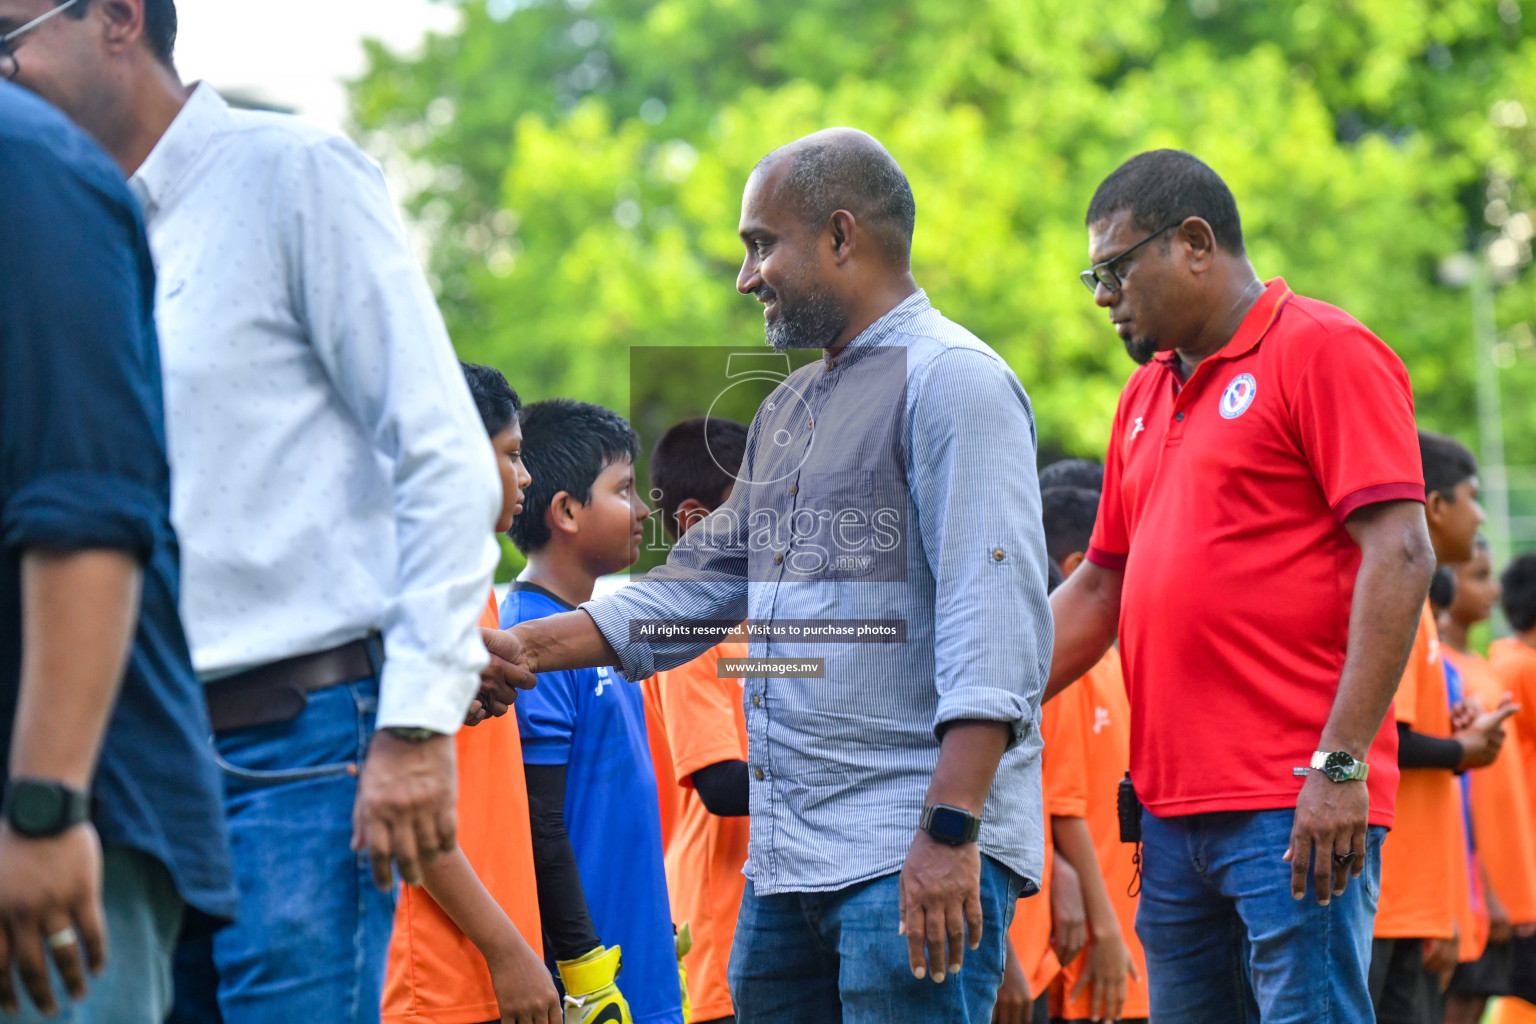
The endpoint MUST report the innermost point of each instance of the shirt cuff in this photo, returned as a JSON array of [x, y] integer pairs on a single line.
[[1376, 494], [637, 662], [984, 704], [418, 694], [78, 511], [1106, 559]]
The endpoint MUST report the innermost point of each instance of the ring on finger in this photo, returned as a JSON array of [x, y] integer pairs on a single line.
[[63, 938]]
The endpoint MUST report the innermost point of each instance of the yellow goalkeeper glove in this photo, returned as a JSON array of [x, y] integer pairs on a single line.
[[684, 940], [591, 995]]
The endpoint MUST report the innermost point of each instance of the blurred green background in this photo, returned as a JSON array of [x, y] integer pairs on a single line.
[[575, 168]]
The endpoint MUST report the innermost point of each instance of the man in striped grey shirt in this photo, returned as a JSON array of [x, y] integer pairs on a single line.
[[889, 487]]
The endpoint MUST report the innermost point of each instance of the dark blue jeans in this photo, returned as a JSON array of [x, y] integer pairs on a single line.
[[824, 957], [1227, 944], [313, 931]]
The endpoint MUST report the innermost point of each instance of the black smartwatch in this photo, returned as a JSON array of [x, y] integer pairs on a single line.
[[952, 826], [43, 808]]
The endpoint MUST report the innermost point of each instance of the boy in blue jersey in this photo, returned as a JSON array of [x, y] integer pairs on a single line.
[[591, 786]]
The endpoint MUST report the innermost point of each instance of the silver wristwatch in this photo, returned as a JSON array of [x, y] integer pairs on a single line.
[[1338, 765]]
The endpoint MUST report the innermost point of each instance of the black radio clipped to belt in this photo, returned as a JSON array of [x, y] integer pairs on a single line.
[[1128, 806]]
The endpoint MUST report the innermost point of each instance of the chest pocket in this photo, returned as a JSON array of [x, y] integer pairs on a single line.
[[832, 527]]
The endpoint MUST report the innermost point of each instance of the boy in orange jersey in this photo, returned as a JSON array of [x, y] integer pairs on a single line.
[[1090, 723], [1513, 659], [467, 944], [1424, 857], [1504, 835], [700, 747]]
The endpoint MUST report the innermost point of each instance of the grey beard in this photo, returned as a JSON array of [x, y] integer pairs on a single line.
[[815, 323]]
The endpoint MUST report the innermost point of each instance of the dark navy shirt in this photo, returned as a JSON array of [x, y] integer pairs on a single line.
[[83, 465]]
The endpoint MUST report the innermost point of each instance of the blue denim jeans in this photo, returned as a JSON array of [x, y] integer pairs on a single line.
[[312, 934], [1227, 944], [824, 957], [143, 913]]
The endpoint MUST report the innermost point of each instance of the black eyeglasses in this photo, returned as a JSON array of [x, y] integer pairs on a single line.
[[8, 66], [1104, 273]]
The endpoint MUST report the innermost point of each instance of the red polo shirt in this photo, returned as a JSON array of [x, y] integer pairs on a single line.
[[1224, 503]]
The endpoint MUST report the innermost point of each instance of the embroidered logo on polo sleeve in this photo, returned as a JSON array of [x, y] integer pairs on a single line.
[[1238, 396]]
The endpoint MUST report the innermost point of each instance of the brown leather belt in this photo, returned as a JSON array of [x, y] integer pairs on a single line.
[[279, 690]]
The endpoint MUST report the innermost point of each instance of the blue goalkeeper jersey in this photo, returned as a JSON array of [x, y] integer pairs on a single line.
[[593, 722]]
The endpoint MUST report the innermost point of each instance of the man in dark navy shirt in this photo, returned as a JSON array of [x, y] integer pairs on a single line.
[[112, 820]]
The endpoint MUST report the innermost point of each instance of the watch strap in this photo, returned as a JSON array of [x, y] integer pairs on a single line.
[[412, 734]]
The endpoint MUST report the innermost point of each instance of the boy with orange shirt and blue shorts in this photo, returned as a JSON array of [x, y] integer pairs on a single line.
[[700, 739], [467, 946]]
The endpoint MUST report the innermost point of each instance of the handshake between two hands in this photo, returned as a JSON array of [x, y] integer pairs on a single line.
[[1480, 732], [508, 672], [404, 817]]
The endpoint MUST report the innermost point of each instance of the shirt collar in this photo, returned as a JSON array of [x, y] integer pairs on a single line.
[[1261, 317], [883, 329], [201, 117]]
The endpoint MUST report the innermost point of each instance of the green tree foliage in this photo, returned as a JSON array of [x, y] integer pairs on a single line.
[[578, 167]]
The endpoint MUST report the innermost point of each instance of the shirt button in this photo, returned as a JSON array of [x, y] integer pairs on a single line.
[[757, 701], [998, 554], [830, 365], [1179, 417], [778, 559], [758, 775], [794, 489], [810, 424]]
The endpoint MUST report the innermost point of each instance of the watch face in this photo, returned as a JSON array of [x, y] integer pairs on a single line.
[[36, 810], [1339, 766], [948, 824]]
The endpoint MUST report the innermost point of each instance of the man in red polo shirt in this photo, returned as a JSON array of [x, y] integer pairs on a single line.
[[1261, 549]]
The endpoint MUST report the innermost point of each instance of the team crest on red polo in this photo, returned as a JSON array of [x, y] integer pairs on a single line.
[[1238, 396]]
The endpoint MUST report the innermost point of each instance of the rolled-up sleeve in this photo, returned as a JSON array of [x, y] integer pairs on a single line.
[[972, 444], [82, 459]]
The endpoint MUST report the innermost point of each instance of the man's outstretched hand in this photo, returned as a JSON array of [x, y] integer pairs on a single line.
[[510, 669]]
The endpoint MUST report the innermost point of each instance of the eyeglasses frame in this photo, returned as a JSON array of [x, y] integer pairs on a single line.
[[7, 41], [1103, 272]]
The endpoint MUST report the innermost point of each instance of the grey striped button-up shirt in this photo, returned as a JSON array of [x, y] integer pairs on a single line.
[[895, 482]]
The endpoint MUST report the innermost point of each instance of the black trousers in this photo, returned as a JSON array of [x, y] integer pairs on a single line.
[[1402, 991]]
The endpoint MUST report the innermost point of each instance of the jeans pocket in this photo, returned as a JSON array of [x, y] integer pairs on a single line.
[[271, 776], [1371, 876], [326, 741]]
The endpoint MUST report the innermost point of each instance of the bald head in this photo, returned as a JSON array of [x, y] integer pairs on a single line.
[[846, 169]]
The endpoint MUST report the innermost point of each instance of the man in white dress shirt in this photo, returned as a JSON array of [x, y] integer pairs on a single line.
[[334, 496]]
